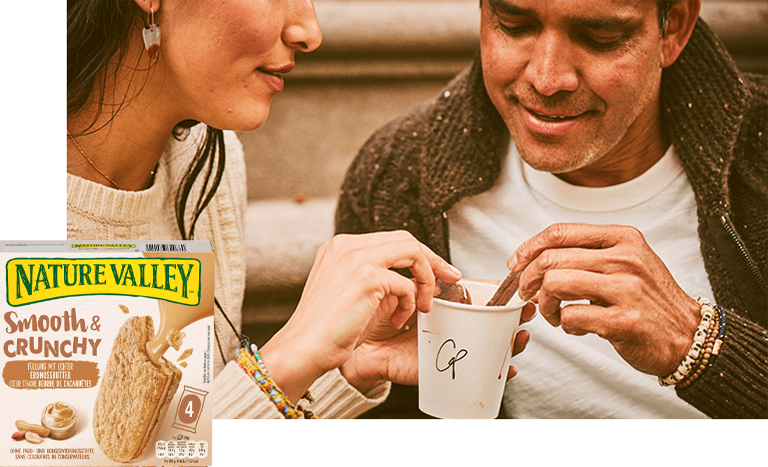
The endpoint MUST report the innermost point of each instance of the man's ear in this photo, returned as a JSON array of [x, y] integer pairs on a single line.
[[148, 5], [680, 22]]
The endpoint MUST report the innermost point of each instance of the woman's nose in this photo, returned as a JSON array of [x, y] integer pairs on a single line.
[[302, 31]]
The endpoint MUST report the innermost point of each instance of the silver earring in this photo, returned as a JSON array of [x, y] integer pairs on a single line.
[[151, 34]]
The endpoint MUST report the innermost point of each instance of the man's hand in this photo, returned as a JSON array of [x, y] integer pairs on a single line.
[[634, 302]]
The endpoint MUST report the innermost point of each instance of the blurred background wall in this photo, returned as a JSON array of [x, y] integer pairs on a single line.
[[378, 60]]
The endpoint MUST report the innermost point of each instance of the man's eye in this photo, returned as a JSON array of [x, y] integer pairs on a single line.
[[517, 30], [600, 44]]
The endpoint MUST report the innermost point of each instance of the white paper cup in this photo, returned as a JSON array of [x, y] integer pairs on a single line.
[[464, 353]]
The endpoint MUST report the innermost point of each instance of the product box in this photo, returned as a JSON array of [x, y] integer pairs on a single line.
[[107, 352]]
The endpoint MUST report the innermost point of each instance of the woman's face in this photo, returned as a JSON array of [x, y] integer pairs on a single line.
[[222, 61]]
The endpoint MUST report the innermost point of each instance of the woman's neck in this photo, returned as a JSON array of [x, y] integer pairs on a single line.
[[121, 149]]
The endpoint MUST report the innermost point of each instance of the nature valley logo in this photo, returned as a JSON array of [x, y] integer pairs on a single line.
[[32, 280]]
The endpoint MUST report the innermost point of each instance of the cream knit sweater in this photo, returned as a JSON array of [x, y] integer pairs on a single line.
[[98, 212]]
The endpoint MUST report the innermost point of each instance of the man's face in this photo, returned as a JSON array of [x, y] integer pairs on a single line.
[[573, 80]]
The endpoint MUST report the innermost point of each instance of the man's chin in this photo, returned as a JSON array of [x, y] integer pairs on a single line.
[[554, 160]]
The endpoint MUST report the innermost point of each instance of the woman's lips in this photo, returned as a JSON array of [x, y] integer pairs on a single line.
[[273, 75], [273, 80], [550, 124]]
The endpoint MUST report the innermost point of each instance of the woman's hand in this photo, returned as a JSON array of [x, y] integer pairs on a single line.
[[395, 358], [350, 289]]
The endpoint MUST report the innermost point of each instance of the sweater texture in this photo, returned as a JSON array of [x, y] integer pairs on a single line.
[[409, 174], [98, 212]]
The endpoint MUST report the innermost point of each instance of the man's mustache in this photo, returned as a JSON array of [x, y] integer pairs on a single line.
[[561, 103]]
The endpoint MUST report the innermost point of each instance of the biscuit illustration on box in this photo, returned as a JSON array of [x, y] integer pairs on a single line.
[[138, 383], [134, 395]]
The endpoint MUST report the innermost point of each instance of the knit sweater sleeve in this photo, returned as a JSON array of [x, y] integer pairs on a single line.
[[237, 396], [736, 385]]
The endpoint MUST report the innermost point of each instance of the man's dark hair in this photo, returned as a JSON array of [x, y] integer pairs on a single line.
[[662, 11]]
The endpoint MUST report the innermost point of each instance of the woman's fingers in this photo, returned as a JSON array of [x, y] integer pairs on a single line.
[[391, 299], [401, 288], [528, 313], [406, 300], [404, 251], [354, 282], [522, 339]]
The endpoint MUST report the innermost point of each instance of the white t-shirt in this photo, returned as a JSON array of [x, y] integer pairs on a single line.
[[560, 375]]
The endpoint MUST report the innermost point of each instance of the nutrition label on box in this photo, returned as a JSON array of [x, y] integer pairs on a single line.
[[181, 449]]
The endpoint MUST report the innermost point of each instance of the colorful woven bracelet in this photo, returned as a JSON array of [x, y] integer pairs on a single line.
[[255, 352], [253, 365], [699, 339]]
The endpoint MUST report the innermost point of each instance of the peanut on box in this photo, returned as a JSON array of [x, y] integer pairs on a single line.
[[107, 353]]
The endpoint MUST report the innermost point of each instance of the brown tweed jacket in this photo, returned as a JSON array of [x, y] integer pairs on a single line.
[[414, 169]]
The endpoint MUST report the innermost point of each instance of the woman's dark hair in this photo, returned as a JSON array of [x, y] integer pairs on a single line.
[[97, 33]]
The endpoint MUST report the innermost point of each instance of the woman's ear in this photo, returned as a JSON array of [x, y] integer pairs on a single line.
[[148, 5], [680, 22]]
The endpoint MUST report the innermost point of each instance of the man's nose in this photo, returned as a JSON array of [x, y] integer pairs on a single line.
[[551, 66]]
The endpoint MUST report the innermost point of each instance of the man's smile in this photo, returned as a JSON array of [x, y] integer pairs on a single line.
[[550, 122]]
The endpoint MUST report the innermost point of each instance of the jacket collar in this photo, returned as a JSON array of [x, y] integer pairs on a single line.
[[704, 98], [463, 154]]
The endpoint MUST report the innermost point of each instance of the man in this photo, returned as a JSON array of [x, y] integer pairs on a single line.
[[611, 151]]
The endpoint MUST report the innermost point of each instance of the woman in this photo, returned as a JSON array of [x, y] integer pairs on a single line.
[[140, 166]]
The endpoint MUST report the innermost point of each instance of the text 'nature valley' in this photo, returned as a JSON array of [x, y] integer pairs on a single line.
[[32, 280]]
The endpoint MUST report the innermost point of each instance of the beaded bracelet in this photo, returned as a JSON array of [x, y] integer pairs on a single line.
[[254, 367], [699, 339], [705, 356], [709, 357], [720, 334]]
